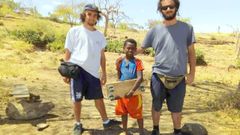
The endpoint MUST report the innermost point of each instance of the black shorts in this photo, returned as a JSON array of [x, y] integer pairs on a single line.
[[174, 97], [86, 85]]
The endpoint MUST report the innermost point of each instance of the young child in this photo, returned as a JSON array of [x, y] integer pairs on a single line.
[[129, 67]]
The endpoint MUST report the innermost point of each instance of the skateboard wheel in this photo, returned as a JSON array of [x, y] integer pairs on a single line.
[[111, 97], [142, 88]]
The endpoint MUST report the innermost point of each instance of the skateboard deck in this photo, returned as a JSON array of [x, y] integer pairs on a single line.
[[120, 88], [20, 91]]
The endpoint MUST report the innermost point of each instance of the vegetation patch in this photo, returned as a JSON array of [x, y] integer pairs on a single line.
[[200, 60], [58, 43], [115, 46], [228, 100], [39, 34]]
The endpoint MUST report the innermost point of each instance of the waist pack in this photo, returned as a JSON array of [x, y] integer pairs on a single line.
[[170, 82], [68, 69]]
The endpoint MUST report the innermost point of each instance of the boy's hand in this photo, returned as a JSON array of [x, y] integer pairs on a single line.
[[103, 79], [129, 94], [66, 80], [117, 97], [189, 79]]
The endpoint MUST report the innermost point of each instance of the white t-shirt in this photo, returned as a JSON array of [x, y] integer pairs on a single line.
[[85, 47]]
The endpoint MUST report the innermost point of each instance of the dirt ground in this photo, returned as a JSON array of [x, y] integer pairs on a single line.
[[46, 82]]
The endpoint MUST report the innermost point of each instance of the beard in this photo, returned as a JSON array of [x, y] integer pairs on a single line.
[[169, 17], [91, 24]]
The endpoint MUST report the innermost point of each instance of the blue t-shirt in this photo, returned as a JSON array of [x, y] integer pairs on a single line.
[[170, 44], [128, 70]]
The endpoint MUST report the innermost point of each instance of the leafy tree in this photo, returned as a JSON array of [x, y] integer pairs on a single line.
[[68, 13], [152, 23], [7, 7], [187, 20], [4, 10], [10, 3]]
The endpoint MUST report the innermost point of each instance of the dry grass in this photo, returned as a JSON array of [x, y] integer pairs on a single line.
[[37, 69]]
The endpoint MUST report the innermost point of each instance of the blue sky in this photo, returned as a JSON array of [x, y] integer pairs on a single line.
[[205, 15]]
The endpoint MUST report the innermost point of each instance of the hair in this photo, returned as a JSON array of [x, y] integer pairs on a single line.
[[130, 40], [83, 16], [177, 4]]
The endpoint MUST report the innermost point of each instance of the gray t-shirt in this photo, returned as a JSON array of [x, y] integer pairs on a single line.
[[170, 44]]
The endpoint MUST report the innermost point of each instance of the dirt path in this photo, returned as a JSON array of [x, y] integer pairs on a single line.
[[48, 84]]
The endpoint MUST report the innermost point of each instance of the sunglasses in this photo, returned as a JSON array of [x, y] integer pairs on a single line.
[[166, 7]]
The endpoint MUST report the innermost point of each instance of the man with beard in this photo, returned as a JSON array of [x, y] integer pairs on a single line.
[[173, 43], [84, 46]]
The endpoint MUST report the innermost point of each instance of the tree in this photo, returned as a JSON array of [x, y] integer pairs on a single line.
[[152, 23], [10, 3], [7, 6], [65, 13], [186, 20], [68, 13], [111, 12], [4, 10]]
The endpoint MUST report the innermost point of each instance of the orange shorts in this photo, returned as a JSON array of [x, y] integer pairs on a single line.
[[131, 106]]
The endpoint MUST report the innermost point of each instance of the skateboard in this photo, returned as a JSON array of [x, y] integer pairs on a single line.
[[120, 88]]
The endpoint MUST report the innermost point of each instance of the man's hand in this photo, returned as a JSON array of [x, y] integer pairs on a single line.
[[140, 51], [103, 78], [189, 79], [66, 80], [129, 94]]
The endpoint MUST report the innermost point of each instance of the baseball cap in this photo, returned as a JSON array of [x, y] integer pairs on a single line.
[[91, 7]]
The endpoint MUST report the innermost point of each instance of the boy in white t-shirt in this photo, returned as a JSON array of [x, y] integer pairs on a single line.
[[84, 46]]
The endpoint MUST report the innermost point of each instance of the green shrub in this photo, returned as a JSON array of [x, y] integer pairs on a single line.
[[55, 46], [114, 46], [39, 34], [123, 26], [150, 52], [200, 60], [58, 44], [37, 38]]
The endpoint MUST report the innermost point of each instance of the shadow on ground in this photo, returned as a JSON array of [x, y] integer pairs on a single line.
[[33, 122]]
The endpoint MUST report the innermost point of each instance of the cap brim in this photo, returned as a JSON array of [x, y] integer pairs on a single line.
[[92, 10]]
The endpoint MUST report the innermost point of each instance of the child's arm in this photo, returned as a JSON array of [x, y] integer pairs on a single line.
[[136, 85]]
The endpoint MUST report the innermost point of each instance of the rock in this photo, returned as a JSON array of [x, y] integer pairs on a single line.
[[24, 110], [34, 98], [42, 126], [231, 67], [194, 129]]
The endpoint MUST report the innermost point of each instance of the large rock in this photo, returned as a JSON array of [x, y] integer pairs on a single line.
[[194, 129], [24, 110]]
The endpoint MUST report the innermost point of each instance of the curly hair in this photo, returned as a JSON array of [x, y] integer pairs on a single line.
[[83, 16], [177, 4], [130, 40]]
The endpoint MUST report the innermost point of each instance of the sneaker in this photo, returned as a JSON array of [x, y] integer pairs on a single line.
[[155, 132], [111, 124], [77, 130]]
